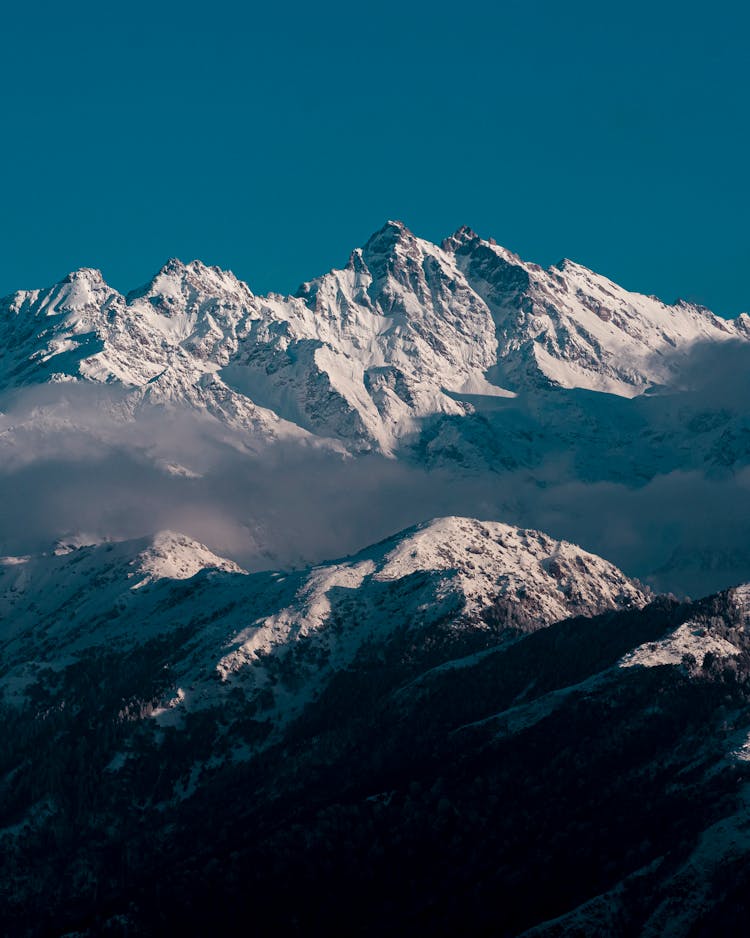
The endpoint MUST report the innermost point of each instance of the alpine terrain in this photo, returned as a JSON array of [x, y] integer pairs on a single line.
[[464, 724]]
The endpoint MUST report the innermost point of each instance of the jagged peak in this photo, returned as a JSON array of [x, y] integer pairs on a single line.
[[566, 263], [682, 303], [175, 266], [81, 289], [177, 272], [460, 236], [84, 274], [466, 233], [396, 225], [356, 261], [466, 241], [377, 255], [568, 266], [386, 238], [450, 528]]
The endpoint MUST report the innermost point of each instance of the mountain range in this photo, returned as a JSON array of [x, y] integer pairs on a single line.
[[469, 381], [467, 725], [408, 330]]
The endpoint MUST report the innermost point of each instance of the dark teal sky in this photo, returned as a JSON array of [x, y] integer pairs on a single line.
[[272, 142]]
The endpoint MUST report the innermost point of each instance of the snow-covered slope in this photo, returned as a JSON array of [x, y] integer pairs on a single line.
[[76, 597], [576, 328], [163, 345], [284, 635], [454, 572], [407, 330], [541, 748]]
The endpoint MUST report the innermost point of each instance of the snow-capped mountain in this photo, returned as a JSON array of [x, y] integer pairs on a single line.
[[292, 632], [448, 717], [440, 718], [406, 331], [578, 329], [459, 357], [164, 345]]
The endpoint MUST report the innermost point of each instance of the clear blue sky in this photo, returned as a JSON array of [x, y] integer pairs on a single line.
[[272, 141]]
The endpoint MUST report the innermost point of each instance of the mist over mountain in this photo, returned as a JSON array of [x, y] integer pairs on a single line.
[[439, 379], [368, 609]]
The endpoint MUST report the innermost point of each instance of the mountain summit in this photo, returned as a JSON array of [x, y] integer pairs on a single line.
[[408, 330]]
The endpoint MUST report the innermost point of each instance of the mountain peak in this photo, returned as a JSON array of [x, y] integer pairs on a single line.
[[175, 266], [176, 556], [84, 274], [461, 236], [175, 277], [386, 238], [396, 225], [566, 264]]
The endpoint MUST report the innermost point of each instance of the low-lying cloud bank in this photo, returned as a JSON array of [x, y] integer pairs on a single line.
[[71, 464]]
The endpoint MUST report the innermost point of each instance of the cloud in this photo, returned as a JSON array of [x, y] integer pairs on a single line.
[[72, 459]]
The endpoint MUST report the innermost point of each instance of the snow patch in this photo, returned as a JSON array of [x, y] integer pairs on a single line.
[[691, 638], [177, 557]]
